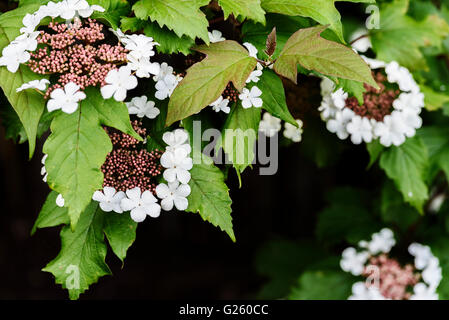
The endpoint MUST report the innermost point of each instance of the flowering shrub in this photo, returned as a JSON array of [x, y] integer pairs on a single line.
[[151, 105]]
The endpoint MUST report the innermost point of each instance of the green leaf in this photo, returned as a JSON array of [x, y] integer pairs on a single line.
[[406, 165], [393, 209], [312, 52], [400, 37], [440, 248], [323, 285], [374, 149], [184, 17], [250, 9], [51, 215], [120, 230], [14, 129], [353, 88], [114, 10], [206, 80], [28, 104], [168, 41], [132, 24], [433, 100], [282, 262], [436, 140], [239, 135], [210, 197], [273, 96], [322, 11], [339, 222], [78, 146], [81, 261]]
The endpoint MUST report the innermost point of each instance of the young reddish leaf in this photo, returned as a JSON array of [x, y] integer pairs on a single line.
[[271, 43], [307, 48]]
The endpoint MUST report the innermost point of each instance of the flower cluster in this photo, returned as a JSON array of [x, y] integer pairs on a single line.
[[390, 113], [76, 54], [177, 163], [129, 165], [387, 278], [166, 81], [131, 174], [270, 126], [18, 51]]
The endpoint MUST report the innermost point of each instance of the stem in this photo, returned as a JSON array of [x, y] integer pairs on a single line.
[[40, 92], [358, 38]]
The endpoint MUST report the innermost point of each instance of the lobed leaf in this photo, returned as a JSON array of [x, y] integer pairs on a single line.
[[226, 61], [312, 52]]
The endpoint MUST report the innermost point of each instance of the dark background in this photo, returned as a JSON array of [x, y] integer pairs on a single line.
[[178, 256]]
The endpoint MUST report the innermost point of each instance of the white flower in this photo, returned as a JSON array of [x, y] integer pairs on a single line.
[[373, 63], [411, 121], [67, 99], [60, 202], [362, 44], [215, 36], [252, 50], [254, 76], [28, 40], [140, 46], [327, 86], [164, 70], [293, 133], [34, 84], [221, 105], [85, 13], [422, 292], [14, 54], [436, 202], [391, 130], [338, 125], [177, 165], [175, 194], [360, 130], [251, 98], [269, 125], [143, 67], [30, 22], [332, 102], [177, 139], [382, 241], [432, 274], [109, 199], [51, 9], [166, 86], [339, 98], [140, 204], [69, 8], [409, 101], [118, 83], [422, 254], [327, 108], [361, 292], [43, 169], [119, 34], [401, 76], [353, 262], [141, 107]]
